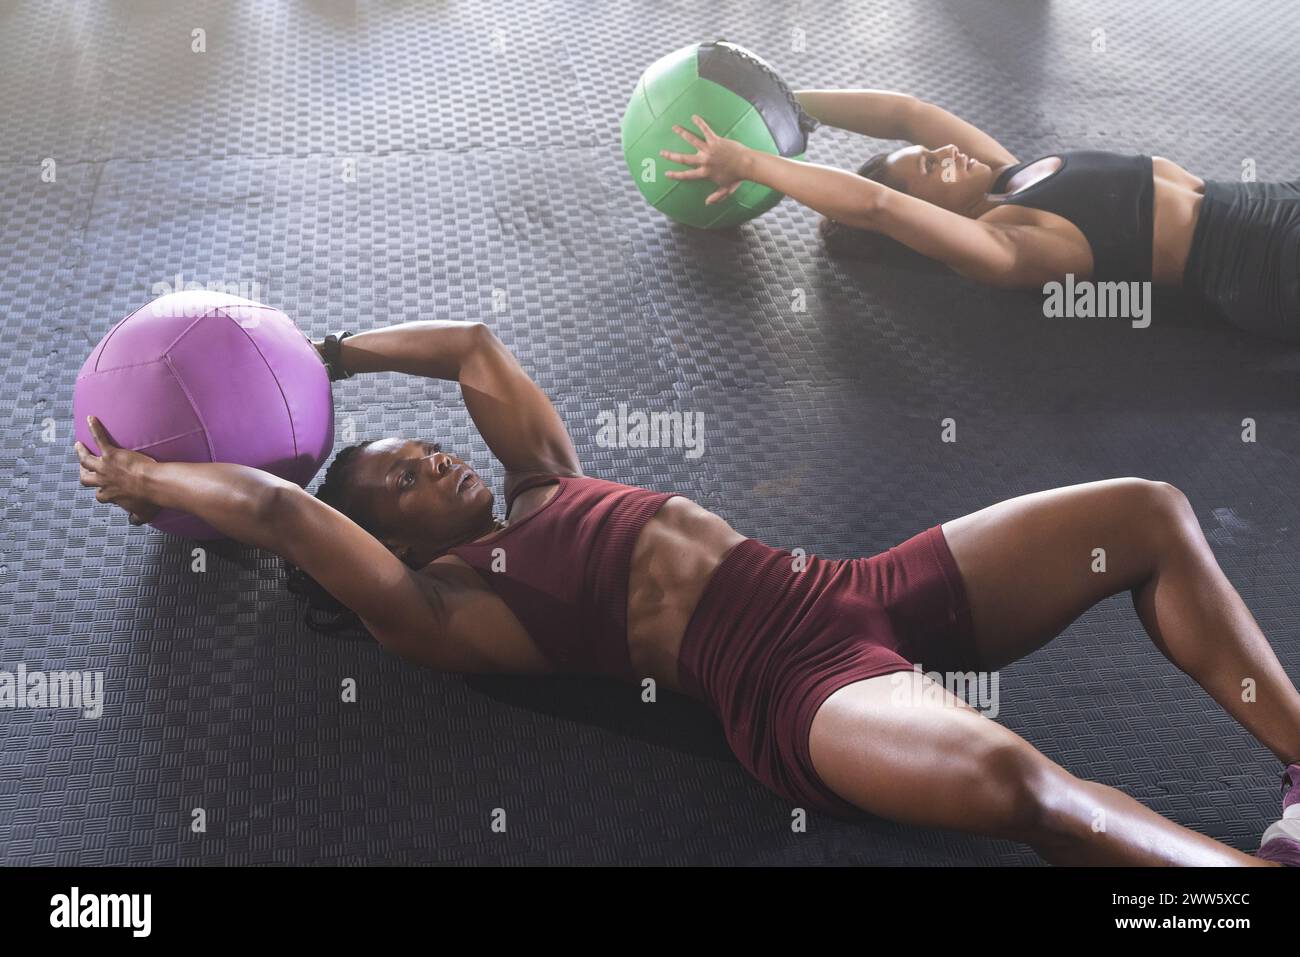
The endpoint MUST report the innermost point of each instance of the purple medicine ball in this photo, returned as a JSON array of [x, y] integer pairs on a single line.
[[207, 377]]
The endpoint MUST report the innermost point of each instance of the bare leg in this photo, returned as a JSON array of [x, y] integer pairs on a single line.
[[940, 763], [1028, 568]]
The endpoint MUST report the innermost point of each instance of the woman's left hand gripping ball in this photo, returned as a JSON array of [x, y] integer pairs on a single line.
[[117, 473], [722, 161]]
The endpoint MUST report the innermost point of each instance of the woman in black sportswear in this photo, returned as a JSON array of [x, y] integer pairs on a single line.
[[962, 198]]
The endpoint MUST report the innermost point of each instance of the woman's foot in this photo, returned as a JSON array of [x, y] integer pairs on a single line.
[[1281, 842]]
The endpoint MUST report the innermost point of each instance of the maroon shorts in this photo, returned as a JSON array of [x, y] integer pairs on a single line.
[[770, 641]]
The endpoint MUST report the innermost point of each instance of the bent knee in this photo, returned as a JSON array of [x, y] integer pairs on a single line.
[[1017, 788], [1157, 507]]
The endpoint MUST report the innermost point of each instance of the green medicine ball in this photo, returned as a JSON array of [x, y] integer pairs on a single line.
[[737, 94]]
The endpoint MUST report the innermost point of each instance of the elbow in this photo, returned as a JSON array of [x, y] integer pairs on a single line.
[[869, 211], [908, 117], [481, 337], [910, 106], [272, 506]]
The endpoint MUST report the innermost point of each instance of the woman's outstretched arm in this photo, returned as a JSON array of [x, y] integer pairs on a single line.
[[514, 416], [236, 500], [405, 611], [1009, 256], [899, 116], [878, 113]]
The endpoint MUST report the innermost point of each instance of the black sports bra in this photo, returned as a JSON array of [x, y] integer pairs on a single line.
[[1108, 196]]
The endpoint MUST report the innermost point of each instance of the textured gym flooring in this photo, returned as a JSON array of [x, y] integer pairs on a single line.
[[366, 163]]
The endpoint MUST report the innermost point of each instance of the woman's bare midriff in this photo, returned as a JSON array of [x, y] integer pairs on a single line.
[[674, 558], [1177, 203]]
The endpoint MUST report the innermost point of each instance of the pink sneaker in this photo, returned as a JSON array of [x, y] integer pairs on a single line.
[[1281, 842]]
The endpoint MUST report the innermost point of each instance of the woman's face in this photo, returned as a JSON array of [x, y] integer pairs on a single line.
[[946, 177], [419, 499]]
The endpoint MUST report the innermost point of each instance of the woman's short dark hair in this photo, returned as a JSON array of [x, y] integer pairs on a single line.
[[324, 613], [850, 242]]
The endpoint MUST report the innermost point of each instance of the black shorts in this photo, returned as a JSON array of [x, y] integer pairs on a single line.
[[1245, 256]]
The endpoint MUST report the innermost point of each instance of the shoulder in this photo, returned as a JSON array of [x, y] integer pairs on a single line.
[[519, 484]]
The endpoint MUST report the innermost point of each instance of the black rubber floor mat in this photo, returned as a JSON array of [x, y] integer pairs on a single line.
[[363, 164]]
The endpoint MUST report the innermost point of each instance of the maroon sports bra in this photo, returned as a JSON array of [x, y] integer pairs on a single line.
[[563, 569]]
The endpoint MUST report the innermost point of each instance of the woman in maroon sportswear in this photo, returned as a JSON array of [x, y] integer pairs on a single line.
[[809, 663]]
